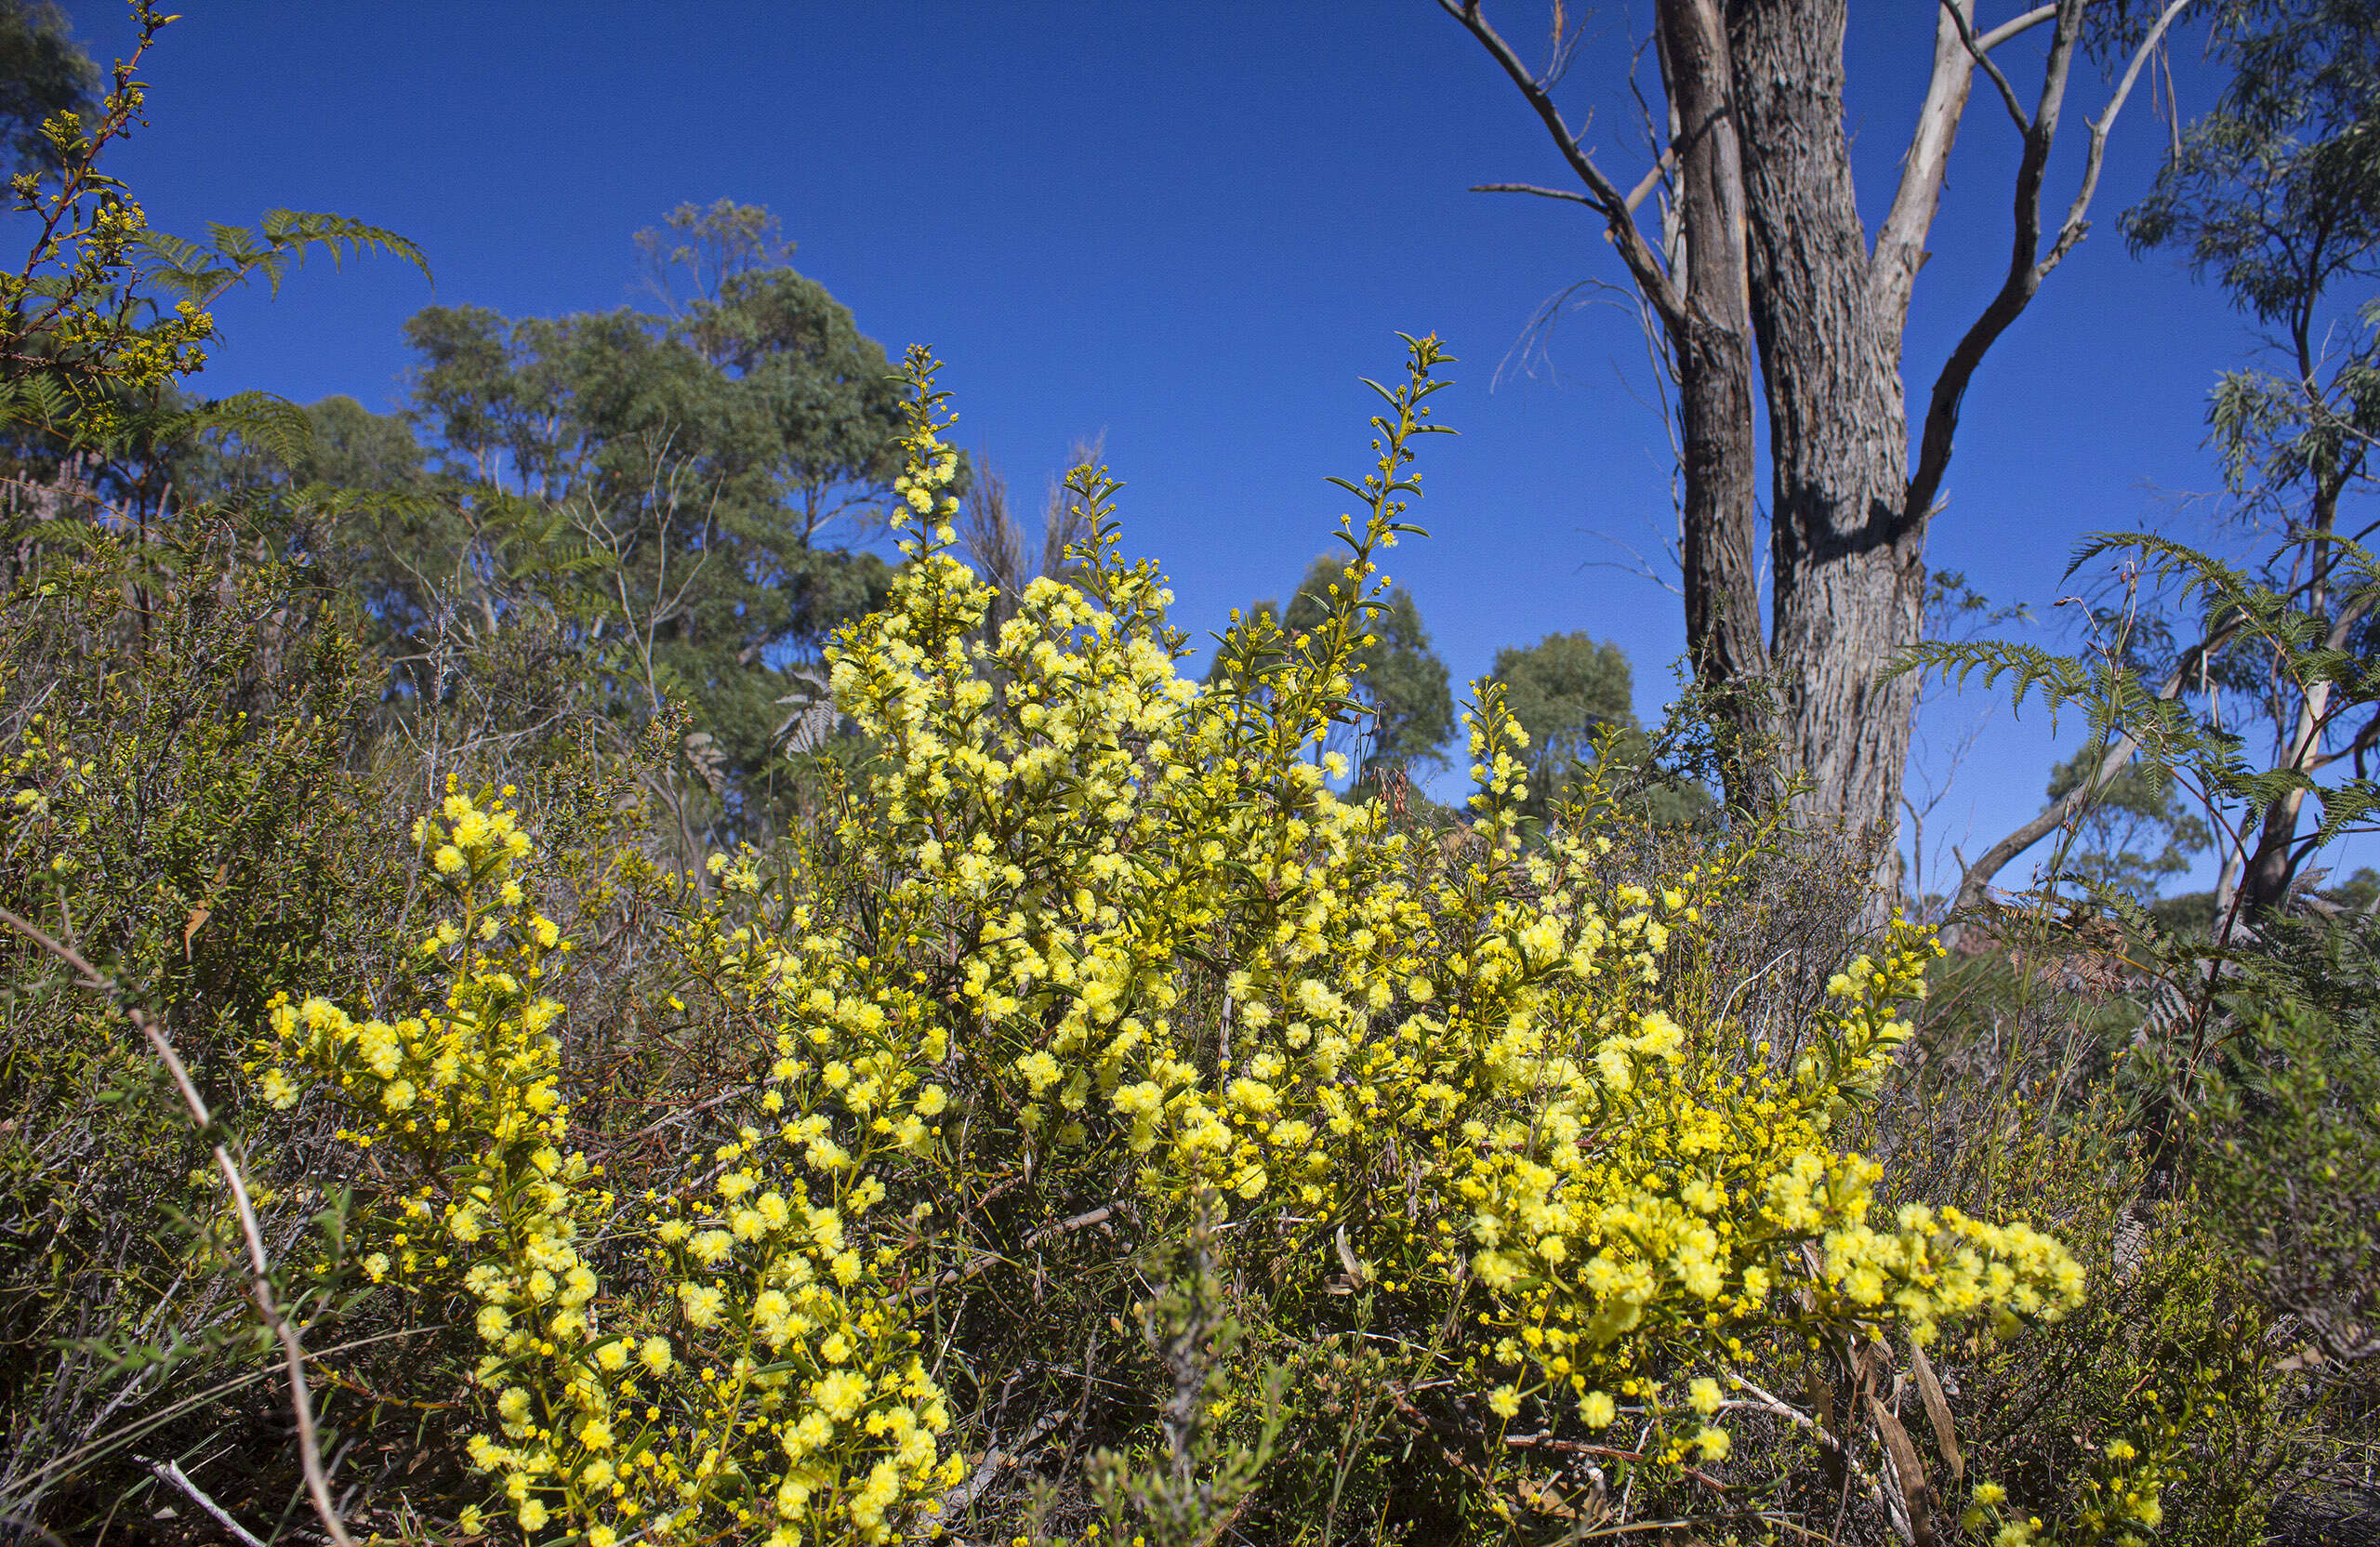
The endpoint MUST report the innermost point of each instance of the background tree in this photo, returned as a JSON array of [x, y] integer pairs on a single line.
[[706, 460], [1006, 555], [1576, 698], [1402, 684], [43, 71], [2276, 194], [1759, 269], [662, 510], [1564, 690], [693, 254]]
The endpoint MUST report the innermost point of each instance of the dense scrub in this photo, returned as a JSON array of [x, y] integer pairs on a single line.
[[1084, 1122]]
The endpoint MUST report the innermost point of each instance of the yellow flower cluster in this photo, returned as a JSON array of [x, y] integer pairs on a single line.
[[1096, 925], [762, 1384], [1131, 913], [2121, 1495], [50, 781]]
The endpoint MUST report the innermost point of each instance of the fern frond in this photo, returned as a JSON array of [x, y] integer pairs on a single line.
[[200, 272]]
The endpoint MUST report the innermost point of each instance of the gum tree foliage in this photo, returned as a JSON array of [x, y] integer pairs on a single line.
[[709, 463], [2275, 197], [1406, 696], [1744, 240], [43, 71]]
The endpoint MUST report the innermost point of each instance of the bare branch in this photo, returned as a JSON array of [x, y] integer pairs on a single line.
[[2015, 25], [1643, 265], [169, 1471], [1642, 568], [987, 1259], [1951, 13], [2026, 270], [1563, 193], [1652, 179], [1764, 1401], [2016, 291], [2071, 231], [1900, 240], [2365, 740]]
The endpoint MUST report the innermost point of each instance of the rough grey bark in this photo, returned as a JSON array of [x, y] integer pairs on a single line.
[[1847, 559]]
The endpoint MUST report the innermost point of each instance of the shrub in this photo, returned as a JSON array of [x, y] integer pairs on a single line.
[[1093, 955]]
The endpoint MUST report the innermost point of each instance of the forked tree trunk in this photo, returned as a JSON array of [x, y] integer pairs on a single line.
[[1758, 176]]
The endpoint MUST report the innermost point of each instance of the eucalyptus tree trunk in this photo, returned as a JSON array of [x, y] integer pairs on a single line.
[[2269, 872], [1846, 555], [1712, 341]]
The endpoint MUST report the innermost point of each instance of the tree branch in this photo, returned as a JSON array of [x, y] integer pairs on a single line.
[[1563, 193], [1764, 1401], [169, 1471], [1652, 177], [1976, 882], [2075, 225], [1643, 265], [2014, 25], [1900, 240], [1100, 1215], [2361, 746], [2026, 268], [1976, 50]]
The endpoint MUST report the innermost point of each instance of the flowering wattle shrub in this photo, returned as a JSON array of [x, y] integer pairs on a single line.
[[612, 1412], [1089, 925]]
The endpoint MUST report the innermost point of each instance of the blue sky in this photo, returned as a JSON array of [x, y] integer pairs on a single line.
[[1192, 228]]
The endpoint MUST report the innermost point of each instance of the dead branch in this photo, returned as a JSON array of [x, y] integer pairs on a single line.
[[1644, 264]]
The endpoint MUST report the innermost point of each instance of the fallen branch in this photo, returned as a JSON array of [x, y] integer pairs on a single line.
[[171, 1471], [996, 1460], [1767, 1402]]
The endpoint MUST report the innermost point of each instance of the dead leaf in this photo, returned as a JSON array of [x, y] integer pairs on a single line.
[[1937, 1412], [206, 910], [1910, 1471]]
